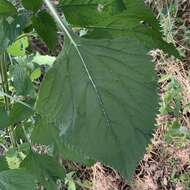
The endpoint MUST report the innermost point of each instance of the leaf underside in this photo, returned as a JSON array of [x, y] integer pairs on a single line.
[[115, 112]]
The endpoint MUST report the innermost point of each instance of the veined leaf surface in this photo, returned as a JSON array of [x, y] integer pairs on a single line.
[[101, 97]]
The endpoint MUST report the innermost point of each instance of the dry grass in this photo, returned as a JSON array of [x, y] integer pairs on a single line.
[[103, 179]]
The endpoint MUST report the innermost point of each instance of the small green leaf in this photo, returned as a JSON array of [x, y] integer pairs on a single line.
[[7, 8], [18, 48], [16, 180], [3, 117], [43, 167], [71, 185], [21, 81], [32, 5], [35, 74], [69, 181], [46, 28], [43, 59], [13, 158], [19, 112]]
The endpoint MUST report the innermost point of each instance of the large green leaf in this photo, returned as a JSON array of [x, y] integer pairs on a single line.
[[7, 8], [16, 180], [46, 28], [102, 99], [45, 168], [10, 30]]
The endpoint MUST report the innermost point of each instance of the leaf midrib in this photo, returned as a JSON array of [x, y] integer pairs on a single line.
[[92, 81]]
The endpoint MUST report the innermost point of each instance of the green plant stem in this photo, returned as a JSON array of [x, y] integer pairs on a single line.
[[27, 138], [5, 85], [3, 78]]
